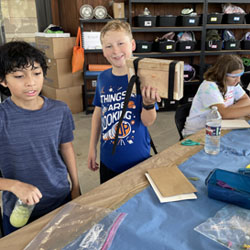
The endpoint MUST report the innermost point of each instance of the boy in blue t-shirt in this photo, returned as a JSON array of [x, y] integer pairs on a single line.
[[36, 134], [134, 141]]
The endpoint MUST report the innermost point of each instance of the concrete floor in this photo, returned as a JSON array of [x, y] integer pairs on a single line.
[[163, 133]]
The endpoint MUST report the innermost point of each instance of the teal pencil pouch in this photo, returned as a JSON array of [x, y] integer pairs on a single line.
[[229, 187]]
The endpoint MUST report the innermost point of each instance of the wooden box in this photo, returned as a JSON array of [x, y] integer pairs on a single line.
[[118, 10], [155, 73]]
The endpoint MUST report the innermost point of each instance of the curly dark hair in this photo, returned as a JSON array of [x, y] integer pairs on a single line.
[[19, 55], [225, 64]]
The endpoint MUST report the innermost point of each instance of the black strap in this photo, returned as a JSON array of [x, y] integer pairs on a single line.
[[133, 80], [153, 145], [171, 76]]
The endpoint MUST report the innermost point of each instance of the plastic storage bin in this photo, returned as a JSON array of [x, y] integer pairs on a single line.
[[213, 45], [168, 105], [231, 45], [143, 46], [166, 21], [185, 45], [165, 46], [189, 20], [237, 190], [214, 18], [245, 44], [234, 18], [145, 21], [247, 17]]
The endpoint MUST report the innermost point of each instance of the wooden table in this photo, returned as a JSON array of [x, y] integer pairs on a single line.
[[111, 194]]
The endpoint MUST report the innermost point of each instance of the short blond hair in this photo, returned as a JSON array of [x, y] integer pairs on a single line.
[[116, 25]]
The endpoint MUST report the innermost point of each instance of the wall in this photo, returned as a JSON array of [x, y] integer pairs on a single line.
[[19, 19]]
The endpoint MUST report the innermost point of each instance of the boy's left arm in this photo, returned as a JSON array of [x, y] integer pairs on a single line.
[[149, 97], [68, 155]]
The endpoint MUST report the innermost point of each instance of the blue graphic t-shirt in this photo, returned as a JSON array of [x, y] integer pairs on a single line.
[[133, 142]]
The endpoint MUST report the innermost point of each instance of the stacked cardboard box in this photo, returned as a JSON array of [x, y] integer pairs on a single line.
[[60, 83]]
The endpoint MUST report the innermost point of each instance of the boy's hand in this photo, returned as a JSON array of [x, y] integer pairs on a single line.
[[92, 164], [27, 193], [75, 192], [150, 95]]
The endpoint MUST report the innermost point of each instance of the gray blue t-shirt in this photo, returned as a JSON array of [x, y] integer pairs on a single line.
[[29, 150]]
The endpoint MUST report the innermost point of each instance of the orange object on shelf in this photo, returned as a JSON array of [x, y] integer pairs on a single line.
[[99, 67]]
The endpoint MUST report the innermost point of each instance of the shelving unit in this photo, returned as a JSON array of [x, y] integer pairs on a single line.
[[157, 7], [199, 56], [238, 29], [90, 77]]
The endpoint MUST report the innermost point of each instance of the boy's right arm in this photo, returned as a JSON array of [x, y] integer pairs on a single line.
[[94, 138], [27, 193]]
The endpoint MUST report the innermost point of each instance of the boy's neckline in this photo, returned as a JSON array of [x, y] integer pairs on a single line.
[[38, 106], [119, 72]]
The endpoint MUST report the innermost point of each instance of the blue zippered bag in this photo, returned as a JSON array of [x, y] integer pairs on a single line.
[[229, 187]]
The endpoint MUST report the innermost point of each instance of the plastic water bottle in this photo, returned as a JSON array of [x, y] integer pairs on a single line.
[[213, 129], [20, 214]]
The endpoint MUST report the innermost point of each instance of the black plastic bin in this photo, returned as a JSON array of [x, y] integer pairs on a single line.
[[247, 17], [143, 46], [168, 105], [214, 45], [189, 20], [165, 46], [235, 18], [245, 79], [185, 45], [231, 45], [145, 21], [245, 44], [166, 21], [214, 18]]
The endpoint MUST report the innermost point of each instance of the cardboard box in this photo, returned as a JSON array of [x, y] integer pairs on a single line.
[[118, 10], [59, 74], [155, 73], [56, 47], [71, 96]]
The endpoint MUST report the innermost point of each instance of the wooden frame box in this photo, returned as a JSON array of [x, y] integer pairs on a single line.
[[155, 73]]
